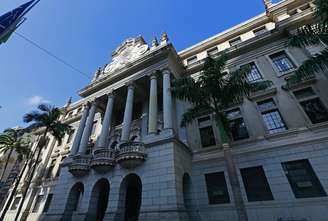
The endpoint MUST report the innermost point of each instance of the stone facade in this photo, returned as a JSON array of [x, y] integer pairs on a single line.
[[129, 158]]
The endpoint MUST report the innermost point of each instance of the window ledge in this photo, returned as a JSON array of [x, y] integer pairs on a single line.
[[282, 134], [300, 84], [318, 126], [208, 149], [263, 94], [283, 74]]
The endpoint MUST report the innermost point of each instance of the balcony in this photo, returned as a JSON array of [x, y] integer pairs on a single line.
[[293, 81], [103, 160], [131, 154], [80, 165]]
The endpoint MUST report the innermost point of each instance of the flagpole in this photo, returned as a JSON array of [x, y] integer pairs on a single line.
[[19, 20], [28, 9]]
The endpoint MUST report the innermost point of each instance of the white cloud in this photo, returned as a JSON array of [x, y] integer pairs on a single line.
[[36, 100]]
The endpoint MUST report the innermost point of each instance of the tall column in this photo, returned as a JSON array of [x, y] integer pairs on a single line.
[[167, 100], [102, 142], [128, 113], [152, 121], [79, 132], [88, 129]]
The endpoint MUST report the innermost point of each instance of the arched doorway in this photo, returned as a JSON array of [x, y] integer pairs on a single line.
[[98, 201], [131, 190], [74, 198]]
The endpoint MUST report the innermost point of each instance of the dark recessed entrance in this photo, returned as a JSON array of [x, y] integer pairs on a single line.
[[98, 201], [133, 188]]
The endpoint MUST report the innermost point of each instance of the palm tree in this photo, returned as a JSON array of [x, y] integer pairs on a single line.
[[46, 118], [213, 92], [28, 162], [313, 34], [13, 140]]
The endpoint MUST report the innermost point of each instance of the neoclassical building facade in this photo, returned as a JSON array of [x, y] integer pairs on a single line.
[[128, 158]]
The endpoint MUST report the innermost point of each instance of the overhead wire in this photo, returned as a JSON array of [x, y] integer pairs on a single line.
[[52, 55]]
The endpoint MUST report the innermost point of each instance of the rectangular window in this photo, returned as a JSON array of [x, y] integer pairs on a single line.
[[48, 202], [50, 169], [217, 188], [235, 41], [254, 75], [256, 184], [15, 203], [206, 132], [237, 125], [315, 110], [312, 105], [37, 203], [282, 62], [192, 60], [271, 116], [260, 31], [212, 52], [302, 179]]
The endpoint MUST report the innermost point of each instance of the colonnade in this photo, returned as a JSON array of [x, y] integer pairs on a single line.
[[84, 131]]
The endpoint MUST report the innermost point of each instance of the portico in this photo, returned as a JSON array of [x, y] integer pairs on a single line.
[[131, 100]]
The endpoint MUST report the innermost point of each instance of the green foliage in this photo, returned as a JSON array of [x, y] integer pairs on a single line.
[[214, 90], [322, 10], [313, 34], [14, 139], [47, 117], [310, 35], [314, 64]]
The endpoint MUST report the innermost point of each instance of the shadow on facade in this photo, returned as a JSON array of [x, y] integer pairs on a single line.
[[186, 188]]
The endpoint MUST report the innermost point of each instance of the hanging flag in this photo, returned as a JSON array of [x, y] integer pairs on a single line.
[[10, 21]]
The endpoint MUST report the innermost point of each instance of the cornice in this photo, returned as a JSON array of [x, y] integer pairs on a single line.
[[225, 35], [151, 55]]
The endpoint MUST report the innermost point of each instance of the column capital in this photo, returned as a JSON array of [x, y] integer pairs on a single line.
[[111, 93], [166, 71], [154, 74], [92, 101], [130, 84], [87, 105]]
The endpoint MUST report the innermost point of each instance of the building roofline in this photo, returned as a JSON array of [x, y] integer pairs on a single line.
[[222, 35]]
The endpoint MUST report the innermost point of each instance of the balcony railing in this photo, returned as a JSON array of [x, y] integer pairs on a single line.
[[80, 165], [131, 154], [293, 81], [103, 160]]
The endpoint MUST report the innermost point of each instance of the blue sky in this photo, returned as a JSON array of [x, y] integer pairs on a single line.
[[84, 34]]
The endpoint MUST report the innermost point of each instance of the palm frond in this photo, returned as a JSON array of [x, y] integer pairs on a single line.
[[237, 86], [310, 35], [29, 117], [188, 89], [260, 85], [34, 126], [322, 10], [45, 107], [313, 65], [58, 130], [218, 64], [193, 113]]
